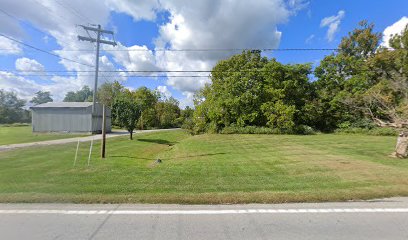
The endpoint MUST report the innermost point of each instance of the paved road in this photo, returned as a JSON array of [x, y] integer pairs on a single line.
[[71, 140], [382, 219]]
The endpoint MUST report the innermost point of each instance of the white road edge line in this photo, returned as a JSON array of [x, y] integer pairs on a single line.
[[205, 212]]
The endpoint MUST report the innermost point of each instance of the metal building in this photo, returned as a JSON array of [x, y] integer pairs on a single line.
[[70, 117]]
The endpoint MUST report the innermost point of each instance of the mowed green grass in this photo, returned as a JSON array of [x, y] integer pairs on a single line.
[[207, 169], [24, 134]]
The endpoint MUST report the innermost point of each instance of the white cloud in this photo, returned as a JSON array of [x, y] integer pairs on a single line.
[[26, 64], [26, 88], [396, 28], [193, 24], [134, 58], [333, 24], [310, 39], [216, 24], [8, 47], [164, 91], [141, 9]]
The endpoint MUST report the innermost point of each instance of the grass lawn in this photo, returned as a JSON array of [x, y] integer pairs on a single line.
[[207, 169], [23, 134]]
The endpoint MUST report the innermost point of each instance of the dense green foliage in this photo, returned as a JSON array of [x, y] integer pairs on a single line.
[[128, 111], [362, 85], [12, 108], [154, 111], [83, 95], [41, 97]]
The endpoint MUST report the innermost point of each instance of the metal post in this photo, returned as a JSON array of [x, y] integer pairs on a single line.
[[98, 39], [76, 153], [103, 131], [90, 152]]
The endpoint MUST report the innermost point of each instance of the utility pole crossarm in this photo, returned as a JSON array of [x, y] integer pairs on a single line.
[[96, 29], [81, 38]]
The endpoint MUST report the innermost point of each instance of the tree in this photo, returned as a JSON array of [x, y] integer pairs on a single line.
[[148, 99], [343, 77], [168, 113], [108, 92], [386, 102], [83, 95], [11, 108], [129, 110], [250, 90], [41, 97]]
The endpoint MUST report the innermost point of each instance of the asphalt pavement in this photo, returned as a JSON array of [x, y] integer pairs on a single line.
[[379, 219], [76, 139]]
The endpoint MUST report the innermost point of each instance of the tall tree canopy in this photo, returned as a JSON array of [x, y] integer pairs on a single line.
[[360, 85], [41, 97], [250, 90], [83, 95], [11, 108]]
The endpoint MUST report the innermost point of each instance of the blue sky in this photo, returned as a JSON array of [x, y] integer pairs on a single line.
[[144, 25]]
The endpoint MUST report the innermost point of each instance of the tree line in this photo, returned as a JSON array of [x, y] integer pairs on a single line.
[[362, 85]]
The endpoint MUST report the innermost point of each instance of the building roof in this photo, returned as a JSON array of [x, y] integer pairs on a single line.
[[64, 105]]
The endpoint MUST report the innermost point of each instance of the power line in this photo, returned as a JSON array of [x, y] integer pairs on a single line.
[[52, 12], [210, 50], [21, 21], [44, 51], [74, 11], [206, 50], [148, 71], [130, 76]]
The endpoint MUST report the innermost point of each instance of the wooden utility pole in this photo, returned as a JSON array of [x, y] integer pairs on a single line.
[[99, 32], [103, 131]]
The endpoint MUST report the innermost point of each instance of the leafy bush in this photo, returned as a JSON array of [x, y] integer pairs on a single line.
[[15, 125], [234, 129], [374, 132]]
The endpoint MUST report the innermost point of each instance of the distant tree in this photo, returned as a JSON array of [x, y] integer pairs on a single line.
[[11, 108], [129, 110], [148, 99], [83, 95], [168, 112], [187, 119], [41, 97], [108, 92]]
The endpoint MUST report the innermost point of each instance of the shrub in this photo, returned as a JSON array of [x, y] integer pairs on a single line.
[[374, 132]]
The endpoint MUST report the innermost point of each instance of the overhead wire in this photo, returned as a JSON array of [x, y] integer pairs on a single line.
[[44, 51]]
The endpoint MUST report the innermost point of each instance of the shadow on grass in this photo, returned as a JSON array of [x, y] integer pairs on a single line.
[[139, 158], [158, 141], [198, 155]]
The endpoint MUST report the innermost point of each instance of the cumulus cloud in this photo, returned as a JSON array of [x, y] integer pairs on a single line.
[[396, 28], [164, 91], [9, 47], [333, 24], [141, 9], [31, 65], [211, 24]]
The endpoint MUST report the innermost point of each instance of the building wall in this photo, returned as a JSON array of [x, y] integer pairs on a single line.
[[97, 120], [75, 120], [61, 120]]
